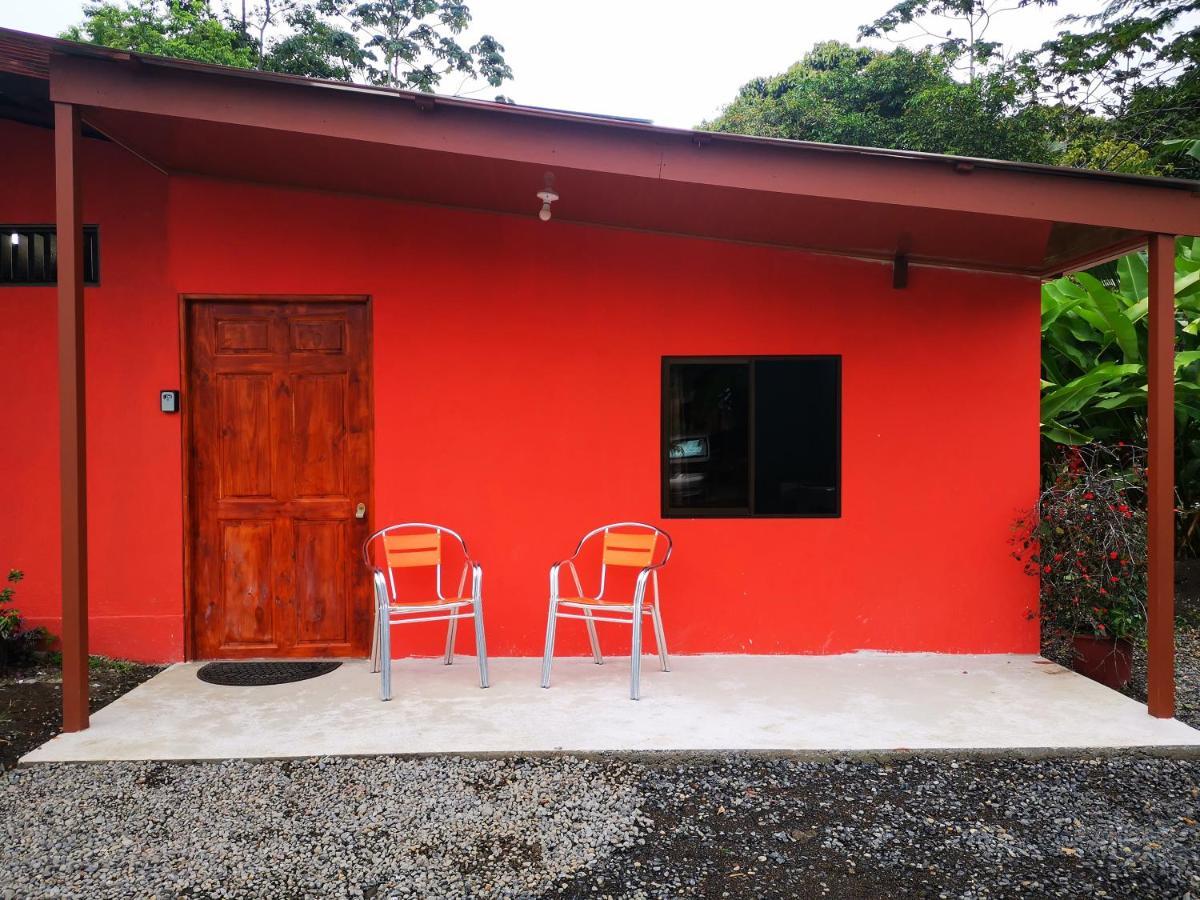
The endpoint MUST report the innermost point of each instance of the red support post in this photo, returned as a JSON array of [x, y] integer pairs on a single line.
[[72, 432], [1160, 602]]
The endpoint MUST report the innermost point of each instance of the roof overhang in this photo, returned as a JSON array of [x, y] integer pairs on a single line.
[[186, 117]]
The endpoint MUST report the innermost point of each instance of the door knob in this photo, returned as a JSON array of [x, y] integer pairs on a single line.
[[360, 511]]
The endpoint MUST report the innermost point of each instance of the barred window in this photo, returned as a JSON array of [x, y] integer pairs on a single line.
[[29, 255]]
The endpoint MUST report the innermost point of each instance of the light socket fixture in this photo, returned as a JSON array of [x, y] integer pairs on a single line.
[[547, 196]]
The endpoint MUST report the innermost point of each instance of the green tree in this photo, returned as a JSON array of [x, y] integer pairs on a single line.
[[956, 29], [1137, 64], [413, 43], [902, 99], [1122, 82], [316, 49], [400, 43], [186, 29]]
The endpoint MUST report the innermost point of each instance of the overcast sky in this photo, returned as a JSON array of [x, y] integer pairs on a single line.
[[674, 61]]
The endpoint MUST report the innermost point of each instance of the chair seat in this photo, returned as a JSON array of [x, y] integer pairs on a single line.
[[419, 605], [598, 604]]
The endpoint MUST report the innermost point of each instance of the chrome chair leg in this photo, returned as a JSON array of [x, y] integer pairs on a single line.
[[660, 637], [548, 656], [635, 657], [385, 649], [375, 643], [481, 645], [451, 634], [593, 639]]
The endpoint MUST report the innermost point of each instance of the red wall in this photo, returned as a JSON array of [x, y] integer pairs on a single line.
[[517, 379], [134, 495]]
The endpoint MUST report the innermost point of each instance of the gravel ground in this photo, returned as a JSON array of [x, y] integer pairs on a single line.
[[1187, 674], [733, 825]]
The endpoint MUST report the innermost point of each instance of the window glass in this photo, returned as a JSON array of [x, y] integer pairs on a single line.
[[796, 436], [708, 434]]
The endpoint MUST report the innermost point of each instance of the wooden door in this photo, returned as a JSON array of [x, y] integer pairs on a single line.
[[279, 420]]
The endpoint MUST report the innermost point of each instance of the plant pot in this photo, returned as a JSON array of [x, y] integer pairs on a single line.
[[1106, 660]]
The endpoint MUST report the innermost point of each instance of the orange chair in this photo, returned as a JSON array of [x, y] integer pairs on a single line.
[[630, 548], [419, 545]]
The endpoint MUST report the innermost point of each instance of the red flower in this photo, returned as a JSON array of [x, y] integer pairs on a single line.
[[1058, 557], [1045, 568], [1089, 496], [1103, 592], [1113, 580], [1113, 555]]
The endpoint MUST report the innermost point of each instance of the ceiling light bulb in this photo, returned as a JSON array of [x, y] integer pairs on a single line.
[[14, 239], [547, 197]]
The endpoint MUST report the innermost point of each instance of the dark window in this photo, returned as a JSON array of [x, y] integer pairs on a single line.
[[29, 255], [752, 436]]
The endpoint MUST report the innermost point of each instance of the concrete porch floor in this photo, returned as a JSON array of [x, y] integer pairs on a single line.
[[853, 702]]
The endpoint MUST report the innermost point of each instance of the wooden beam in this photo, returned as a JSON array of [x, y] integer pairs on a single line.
[[72, 432], [1160, 602]]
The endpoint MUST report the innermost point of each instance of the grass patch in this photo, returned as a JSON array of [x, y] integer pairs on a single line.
[[96, 663]]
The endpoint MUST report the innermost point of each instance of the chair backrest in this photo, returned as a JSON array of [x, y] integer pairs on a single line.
[[409, 545], [404, 551], [634, 545], [629, 549]]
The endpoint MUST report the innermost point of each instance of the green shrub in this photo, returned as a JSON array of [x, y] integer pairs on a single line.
[[17, 644]]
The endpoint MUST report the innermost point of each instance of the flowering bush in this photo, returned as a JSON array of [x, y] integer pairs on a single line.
[[1086, 542]]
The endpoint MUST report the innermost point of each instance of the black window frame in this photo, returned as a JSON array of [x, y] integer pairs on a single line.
[[669, 512], [91, 253]]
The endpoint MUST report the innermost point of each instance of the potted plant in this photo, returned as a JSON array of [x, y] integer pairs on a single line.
[[1086, 543]]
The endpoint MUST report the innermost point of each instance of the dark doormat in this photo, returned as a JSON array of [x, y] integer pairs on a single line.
[[253, 674]]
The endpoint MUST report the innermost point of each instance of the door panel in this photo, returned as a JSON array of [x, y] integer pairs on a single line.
[[279, 422], [319, 413], [247, 564], [243, 411], [320, 567]]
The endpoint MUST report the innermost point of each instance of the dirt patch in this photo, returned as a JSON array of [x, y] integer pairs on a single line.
[[31, 701]]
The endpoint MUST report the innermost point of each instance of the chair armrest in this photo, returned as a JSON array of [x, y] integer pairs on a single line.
[[476, 579], [643, 576], [569, 562], [381, 589]]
